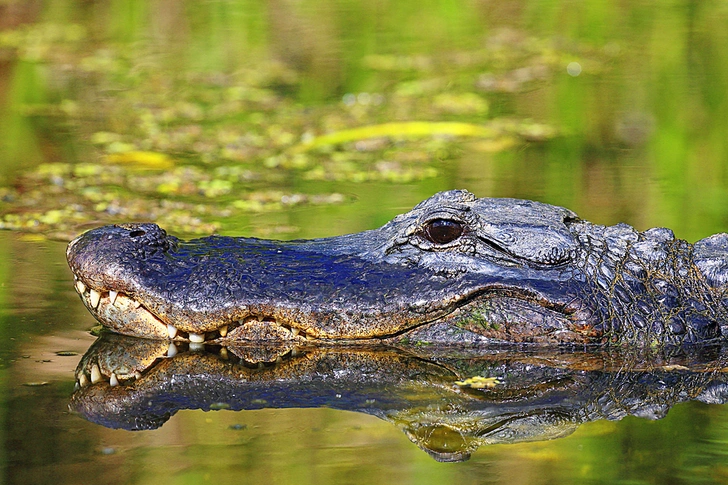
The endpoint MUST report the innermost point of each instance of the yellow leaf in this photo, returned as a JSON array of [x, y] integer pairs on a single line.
[[407, 129], [141, 160]]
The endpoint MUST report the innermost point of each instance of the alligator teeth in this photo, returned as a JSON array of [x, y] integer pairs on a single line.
[[113, 380], [197, 337], [80, 287], [223, 330], [294, 331], [94, 298], [171, 331], [83, 380], [136, 304], [95, 374], [112, 296], [171, 350]]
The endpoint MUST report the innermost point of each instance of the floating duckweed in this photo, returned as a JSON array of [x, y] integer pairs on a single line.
[[464, 103], [179, 160], [480, 382], [85, 170], [119, 146], [104, 138], [215, 188], [51, 217]]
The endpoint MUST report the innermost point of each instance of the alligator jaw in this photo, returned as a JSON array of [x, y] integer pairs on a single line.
[[128, 316], [483, 318]]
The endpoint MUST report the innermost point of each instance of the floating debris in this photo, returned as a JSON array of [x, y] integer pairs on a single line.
[[66, 353], [479, 382]]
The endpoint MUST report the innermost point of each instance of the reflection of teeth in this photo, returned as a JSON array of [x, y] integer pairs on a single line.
[[83, 380], [80, 287], [95, 374], [197, 337], [171, 331], [94, 298], [223, 353], [112, 296], [223, 330], [113, 381], [196, 346], [171, 350]]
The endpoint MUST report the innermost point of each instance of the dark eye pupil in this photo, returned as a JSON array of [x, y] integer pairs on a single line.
[[443, 231]]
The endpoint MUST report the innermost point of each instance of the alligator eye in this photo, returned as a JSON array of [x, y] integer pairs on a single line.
[[443, 231], [137, 233]]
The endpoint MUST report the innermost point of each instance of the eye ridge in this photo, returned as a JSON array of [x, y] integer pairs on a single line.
[[443, 231]]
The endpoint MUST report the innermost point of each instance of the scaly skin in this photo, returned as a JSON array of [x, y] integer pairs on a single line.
[[454, 270]]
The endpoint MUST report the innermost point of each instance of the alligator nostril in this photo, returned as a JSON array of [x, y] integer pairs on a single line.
[[137, 233]]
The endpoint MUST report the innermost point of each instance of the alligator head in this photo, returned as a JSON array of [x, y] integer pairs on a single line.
[[454, 269]]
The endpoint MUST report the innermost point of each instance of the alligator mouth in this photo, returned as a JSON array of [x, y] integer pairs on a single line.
[[126, 315]]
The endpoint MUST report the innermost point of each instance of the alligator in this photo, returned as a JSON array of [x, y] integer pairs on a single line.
[[447, 403], [456, 269]]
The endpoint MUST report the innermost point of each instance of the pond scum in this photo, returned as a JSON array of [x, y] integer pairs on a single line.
[[235, 142]]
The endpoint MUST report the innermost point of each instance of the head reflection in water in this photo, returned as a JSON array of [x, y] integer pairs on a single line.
[[448, 405]]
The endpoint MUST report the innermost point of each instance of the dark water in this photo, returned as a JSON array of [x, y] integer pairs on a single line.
[[306, 119]]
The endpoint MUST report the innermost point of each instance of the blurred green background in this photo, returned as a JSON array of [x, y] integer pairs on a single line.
[[305, 118]]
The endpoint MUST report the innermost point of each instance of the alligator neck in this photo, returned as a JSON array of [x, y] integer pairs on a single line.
[[646, 288]]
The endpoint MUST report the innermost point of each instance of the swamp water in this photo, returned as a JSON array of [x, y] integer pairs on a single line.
[[308, 119]]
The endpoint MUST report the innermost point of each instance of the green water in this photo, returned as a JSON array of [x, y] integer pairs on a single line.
[[305, 119]]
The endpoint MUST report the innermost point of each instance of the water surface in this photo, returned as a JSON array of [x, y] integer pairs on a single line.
[[307, 119]]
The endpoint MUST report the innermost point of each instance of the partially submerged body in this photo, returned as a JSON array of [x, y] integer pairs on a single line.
[[454, 270]]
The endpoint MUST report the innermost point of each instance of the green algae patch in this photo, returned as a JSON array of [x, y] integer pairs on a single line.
[[204, 150]]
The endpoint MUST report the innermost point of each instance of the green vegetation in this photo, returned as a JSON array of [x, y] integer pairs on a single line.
[[311, 118]]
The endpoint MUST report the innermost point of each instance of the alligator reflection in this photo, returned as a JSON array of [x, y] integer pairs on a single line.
[[447, 403]]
